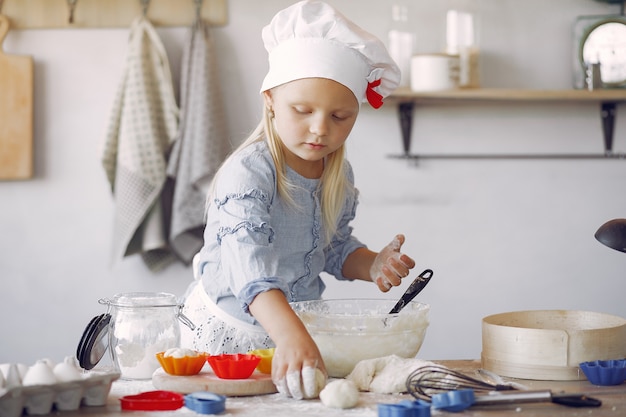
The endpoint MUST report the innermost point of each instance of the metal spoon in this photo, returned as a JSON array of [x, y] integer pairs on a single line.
[[415, 288]]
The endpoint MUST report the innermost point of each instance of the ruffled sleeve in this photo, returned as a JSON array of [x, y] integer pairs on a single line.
[[243, 200]]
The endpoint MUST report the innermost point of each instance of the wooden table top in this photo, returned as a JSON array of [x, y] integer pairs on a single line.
[[275, 405]]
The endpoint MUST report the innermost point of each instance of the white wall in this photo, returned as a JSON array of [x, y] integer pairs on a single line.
[[501, 235]]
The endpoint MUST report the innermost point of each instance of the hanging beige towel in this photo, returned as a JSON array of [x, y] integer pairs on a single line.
[[143, 126], [201, 144]]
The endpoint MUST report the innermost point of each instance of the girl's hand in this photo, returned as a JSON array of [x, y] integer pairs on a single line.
[[390, 266], [298, 369]]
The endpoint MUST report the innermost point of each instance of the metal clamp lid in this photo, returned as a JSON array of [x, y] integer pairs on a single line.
[[147, 300], [93, 343]]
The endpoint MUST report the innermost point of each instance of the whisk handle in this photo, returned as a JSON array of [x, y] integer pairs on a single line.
[[575, 400], [512, 397], [516, 397]]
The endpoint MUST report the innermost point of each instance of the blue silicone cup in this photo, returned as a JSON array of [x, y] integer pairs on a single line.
[[204, 402], [609, 372], [454, 401], [405, 408]]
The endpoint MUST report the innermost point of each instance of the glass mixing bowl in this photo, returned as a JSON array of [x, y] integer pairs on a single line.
[[350, 330]]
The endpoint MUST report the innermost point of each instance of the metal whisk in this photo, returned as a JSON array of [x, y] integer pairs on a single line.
[[427, 381]]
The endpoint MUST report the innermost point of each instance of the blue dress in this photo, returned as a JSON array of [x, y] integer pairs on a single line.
[[255, 241]]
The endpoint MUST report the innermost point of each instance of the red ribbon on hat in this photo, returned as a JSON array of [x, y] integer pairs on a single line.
[[375, 99]]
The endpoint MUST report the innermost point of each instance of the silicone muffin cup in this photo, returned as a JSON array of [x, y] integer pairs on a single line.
[[185, 366], [153, 401], [266, 355], [205, 402], [609, 372], [233, 366]]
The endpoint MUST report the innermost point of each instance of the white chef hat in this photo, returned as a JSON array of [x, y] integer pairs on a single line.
[[311, 39]]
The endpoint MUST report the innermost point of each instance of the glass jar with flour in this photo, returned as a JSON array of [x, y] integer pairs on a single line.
[[139, 325]]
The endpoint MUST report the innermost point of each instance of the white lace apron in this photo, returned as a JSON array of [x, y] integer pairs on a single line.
[[216, 331]]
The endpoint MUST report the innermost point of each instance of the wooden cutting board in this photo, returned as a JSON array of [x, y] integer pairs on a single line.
[[16, 112], [257, 384]]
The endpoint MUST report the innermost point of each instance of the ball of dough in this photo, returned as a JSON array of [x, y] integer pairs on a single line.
[[313, 381], [340, 393]]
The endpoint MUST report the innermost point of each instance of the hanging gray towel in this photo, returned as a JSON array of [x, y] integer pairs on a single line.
[[201, 144], [142, 128]]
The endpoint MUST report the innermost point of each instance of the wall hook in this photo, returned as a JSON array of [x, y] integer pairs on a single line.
[[71, 4], [144, 7]]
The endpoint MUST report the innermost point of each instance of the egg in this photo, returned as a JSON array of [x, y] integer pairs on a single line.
[[39, 374], [51, 364], [67, 370]]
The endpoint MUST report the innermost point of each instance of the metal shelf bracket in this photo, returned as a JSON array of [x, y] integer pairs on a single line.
[[608, 110], [608, 113]]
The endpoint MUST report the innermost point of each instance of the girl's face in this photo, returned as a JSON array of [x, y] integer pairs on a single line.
[[313, 118]]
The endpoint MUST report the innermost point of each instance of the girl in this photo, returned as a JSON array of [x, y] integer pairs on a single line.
[[280, 207]]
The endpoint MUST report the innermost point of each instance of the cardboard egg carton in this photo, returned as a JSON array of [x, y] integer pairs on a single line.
[[92, 390]]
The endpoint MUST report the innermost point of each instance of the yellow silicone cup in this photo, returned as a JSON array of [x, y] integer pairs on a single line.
[[266, 355]]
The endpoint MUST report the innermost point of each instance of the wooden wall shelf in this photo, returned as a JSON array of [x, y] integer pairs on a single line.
[[55, 14], [406, 101]]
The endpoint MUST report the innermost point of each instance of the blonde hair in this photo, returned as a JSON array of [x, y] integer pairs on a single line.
[[334, 185]]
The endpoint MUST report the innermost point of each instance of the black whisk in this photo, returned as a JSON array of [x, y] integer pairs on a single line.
[[427, 381]]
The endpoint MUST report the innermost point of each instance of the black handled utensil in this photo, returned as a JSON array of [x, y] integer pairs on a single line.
[[415, 288], [517, 397], [428, 381]]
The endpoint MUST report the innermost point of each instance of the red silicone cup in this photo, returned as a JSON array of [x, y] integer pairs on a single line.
[[233, 366], [153, 401]]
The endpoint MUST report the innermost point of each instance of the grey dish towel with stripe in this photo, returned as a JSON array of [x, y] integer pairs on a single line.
[[143, 126], [201, 144]]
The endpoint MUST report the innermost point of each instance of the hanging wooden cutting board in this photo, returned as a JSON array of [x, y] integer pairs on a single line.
[[16, 112]]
